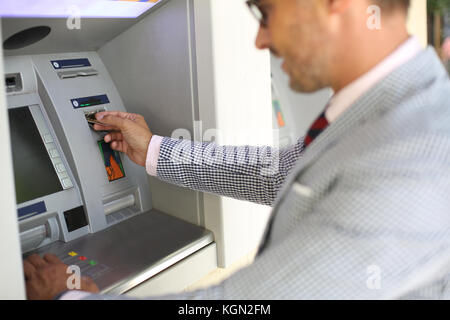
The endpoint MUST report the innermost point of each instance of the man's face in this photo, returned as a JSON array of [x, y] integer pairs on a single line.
[[297, 32]]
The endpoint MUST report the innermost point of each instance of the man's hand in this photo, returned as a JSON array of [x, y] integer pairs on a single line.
[[129, 134], [47, 277]]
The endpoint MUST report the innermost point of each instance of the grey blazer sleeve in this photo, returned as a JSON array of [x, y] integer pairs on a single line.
[[247, 173]]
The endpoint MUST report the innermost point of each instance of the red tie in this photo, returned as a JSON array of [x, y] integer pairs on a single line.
[[316, 129]]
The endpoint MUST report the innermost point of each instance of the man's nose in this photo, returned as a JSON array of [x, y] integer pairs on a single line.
[[262, 39]]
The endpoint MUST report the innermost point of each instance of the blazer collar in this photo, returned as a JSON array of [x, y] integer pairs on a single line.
[[395, 89], [385, 95]]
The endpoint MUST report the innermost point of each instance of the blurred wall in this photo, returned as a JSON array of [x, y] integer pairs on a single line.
[[417, 20]]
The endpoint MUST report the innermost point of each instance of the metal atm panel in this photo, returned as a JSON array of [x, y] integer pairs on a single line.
[[104, 225]]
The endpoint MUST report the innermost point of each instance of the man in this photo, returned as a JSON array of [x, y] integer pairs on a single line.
[[361, 204]]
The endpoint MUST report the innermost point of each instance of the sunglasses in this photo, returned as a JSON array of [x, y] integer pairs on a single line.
[[259, 14]]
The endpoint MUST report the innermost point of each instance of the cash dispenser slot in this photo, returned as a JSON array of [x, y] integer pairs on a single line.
[[77, 74]]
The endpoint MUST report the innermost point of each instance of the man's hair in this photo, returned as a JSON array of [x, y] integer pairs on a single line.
[[391, 5]]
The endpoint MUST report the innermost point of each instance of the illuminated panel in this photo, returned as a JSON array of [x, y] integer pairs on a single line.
[[89, 101], [75, 8]]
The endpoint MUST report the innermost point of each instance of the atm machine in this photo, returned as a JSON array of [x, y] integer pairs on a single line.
[[170, 61], [76, 197]]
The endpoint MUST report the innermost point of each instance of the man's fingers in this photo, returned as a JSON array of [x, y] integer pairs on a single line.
[[88, 285], [51, 258], [114, 121], [140, 120], [36, 261], [120, 114], [118, 146], [117, 114], [99, 127], [113, 136], [28, 270]]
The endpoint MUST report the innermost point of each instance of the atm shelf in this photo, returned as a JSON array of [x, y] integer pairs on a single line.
[[133, 251]]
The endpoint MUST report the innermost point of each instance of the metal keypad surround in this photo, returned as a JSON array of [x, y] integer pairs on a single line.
[[89, 266], [130, 253]]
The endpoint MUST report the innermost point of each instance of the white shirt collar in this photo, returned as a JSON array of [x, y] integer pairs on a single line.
[[348, 95]]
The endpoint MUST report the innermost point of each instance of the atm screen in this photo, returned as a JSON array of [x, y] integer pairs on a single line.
[[34, 173]]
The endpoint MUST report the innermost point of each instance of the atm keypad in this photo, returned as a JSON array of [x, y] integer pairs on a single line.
[[88, 267]]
